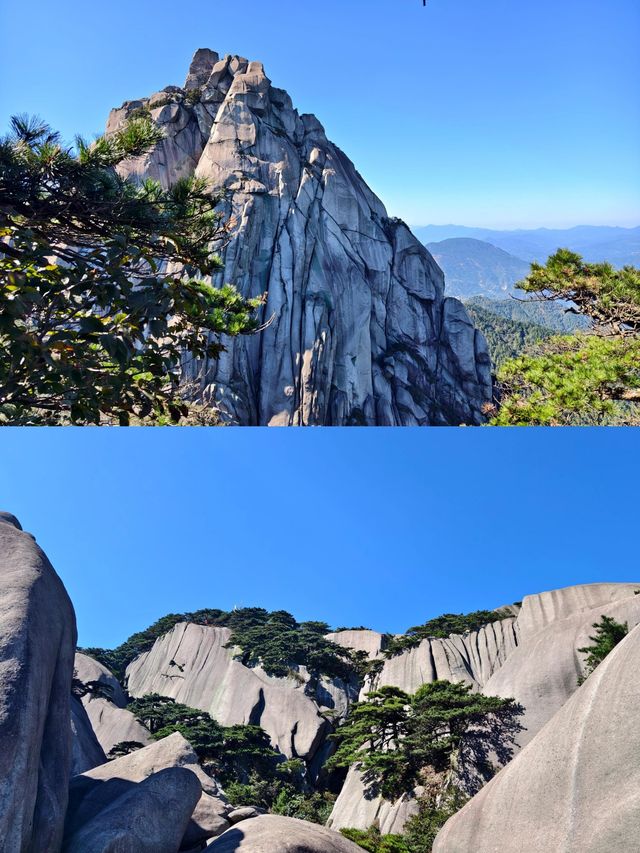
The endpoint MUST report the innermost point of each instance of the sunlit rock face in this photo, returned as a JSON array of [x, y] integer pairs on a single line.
[[359, 329]]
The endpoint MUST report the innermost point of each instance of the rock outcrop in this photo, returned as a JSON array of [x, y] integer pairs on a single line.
[[37, 643], [192, 665], [86, 751], [272, 833], [150, 816], [107, 712], [543, 672], [532, 657], [360, 331], [93, 791], [575, 788]]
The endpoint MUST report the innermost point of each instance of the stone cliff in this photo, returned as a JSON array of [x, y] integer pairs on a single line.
[[360, 331]]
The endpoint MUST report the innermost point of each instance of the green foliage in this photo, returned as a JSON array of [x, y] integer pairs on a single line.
[[506, 338], [372, 840], [443, 626], [607, 636], [100, 289], [583, 379], [433, 812], [315, 807], [275, 641], [163, 716], [395, 738], [124, 747], [554, 316], [587, 378]]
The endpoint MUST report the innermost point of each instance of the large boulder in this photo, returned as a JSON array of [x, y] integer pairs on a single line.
[[37, 643], [106, 706], [150, 816], [275, 834], [575, 788], [192, 664], [359, 330], [90, 793]]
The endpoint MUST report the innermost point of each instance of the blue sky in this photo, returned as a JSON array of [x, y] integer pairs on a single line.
[[378, 527], [501, 113]]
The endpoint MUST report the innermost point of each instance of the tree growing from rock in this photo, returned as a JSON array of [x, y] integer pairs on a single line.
[[444, 730], [101, 295], [607, 636], [585, 378]]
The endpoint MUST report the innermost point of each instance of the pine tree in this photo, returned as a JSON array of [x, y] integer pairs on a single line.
[[607, 636], [586, 378], [101, 290]]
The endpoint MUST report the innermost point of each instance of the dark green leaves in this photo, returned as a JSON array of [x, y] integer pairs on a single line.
[[93, 326]]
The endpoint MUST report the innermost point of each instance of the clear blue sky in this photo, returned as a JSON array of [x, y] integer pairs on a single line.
[[500, 113], [378, 527]]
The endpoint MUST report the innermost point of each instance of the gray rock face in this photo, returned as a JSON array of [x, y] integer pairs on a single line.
[[576, 787], [146, 817], [272, 833], [86, 751], [191, 665], [110, 720], [531, 657], [543, 672], [37, 642], [360, 330], [90, 794]]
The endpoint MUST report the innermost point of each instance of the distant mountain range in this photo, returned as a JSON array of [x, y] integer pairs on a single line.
[[473, 268], [619, 246]]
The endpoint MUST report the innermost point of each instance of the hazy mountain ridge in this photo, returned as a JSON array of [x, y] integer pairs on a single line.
[[619, 246]]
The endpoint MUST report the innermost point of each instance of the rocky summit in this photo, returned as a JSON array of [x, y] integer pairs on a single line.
[[357, 328], [91, 765]]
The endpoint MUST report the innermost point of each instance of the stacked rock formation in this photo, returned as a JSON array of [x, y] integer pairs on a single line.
[[360, 331]]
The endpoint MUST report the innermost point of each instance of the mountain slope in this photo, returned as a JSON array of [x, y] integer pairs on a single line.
[[473, 268], [619, 246], [359, 330]]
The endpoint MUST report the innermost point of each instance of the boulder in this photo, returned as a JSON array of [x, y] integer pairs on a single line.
[[109, 718], [275, 834], [358, 328], [86, 751], [575, 788], [37, 642], [90, 795], [150, 816]]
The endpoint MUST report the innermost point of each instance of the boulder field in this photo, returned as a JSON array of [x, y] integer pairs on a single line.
[[572, 787]]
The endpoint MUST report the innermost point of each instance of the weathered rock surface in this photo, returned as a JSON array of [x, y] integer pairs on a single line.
[[90, 795], [86, 751], [360, 331], [531, 657], [358, 808], [110, 720], [150, 816], [191, 665], [472, 658], [575, 788], [360, 640], [543, 672], [37, 642], [271, 833]]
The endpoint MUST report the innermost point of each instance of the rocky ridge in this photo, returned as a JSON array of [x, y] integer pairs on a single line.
[[359, 330]]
